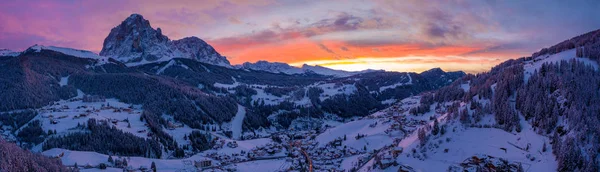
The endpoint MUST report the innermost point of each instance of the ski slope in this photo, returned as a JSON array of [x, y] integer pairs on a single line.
[[236, 123]]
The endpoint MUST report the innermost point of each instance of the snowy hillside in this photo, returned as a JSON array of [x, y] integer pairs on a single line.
[[567, 55], [381, 89], [69, 51], [7, 52]]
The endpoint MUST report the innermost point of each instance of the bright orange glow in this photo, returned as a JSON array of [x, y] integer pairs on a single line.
[[343, 56]]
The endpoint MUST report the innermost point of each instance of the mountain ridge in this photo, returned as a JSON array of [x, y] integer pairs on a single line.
[[135, 42], [278, 67]]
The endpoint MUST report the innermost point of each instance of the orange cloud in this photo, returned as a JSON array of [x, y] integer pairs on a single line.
[[345, 56]]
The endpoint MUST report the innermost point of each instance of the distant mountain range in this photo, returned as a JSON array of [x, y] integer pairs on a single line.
[[7, 52], [276, 67]]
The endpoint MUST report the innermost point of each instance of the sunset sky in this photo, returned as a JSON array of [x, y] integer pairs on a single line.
[[394, 35]]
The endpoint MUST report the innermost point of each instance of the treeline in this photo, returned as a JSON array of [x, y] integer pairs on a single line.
[[200, 141], [286, 113], [160, 95], [103, 138], [568, 91], [32, 133], [280, 91], [13, 158], [587, 39], [155, 123], [207, 75], [360, 103], [425, 81], [427, 99], [17, 119], [31, 79], [587, 45], [509, 79]]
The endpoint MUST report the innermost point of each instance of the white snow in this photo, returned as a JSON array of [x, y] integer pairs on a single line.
[[243, 145], [236, 124], [264, 165], [277, 67], [472, 141], [235, 84], [64, 81], [7, 52], [327, 71], [466, 87], [108, 169], [68, 118], [374, 137], [82, 158], [389, 101], [269, 99], [70, 51], [409, 82], [207, 70], [332, 89], [536, 64], [272, 67], [162, 69], [178, 133]]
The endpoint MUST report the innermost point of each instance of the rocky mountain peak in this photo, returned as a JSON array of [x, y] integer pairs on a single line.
[[135, 42]]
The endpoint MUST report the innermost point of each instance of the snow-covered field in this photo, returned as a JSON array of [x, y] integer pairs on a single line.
[[332, 89], [467, 142], [64, 116], [375, 136], [83, 158], [263, 165]]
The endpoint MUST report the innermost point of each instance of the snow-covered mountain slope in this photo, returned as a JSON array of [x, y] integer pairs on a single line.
[[330, 72], [273, 67], [135, 42], [391, 138], [277, 67], [567, 55], [196, 48], [68, 51], [7, 52], [64, 116]]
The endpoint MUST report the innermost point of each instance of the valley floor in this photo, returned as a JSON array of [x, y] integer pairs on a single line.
[[360, 143]]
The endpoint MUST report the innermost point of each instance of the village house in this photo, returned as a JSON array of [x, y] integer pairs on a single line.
[[385, 161], [397, 151], [172, 125], [203, 163]]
